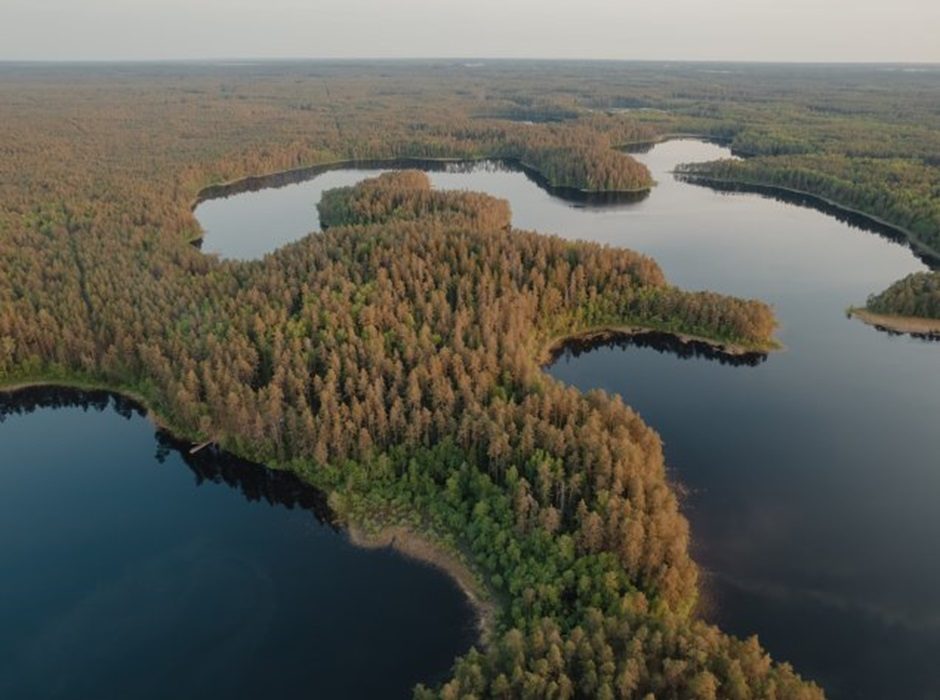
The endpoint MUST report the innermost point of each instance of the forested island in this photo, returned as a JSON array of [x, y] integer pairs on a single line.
[[394, 360]]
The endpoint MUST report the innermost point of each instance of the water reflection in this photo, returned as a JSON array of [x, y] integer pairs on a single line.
[[644, 147], [855, 650], [31, 399], [664, 343], [928, 337], [572, 195], [254, 481], [852, 219], [120, 579]]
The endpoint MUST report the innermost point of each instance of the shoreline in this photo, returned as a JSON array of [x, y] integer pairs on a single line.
[[248, 183], [159, 420], [420, 546], [910, 325], [600, 334], [919, 248], [280, 178], [414, 545], [423, 548], [671, 136]]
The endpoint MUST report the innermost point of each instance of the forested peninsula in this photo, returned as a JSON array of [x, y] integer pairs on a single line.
[[911, 305], [394, 359]]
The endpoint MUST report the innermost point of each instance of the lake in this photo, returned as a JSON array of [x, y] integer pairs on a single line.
[[813, 477], [132, 569]]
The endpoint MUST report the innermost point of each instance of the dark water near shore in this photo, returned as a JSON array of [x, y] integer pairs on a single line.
[[814, 476], [130, 569]]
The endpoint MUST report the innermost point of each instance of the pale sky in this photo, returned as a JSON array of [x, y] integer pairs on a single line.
[[739, 30]]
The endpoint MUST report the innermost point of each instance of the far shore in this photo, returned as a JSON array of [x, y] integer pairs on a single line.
[[629, 146], [765, 188], [245, 183], [913, 325]]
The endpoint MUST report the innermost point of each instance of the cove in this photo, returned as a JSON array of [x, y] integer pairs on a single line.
[[134, 569], [247, 218], [812, 475]]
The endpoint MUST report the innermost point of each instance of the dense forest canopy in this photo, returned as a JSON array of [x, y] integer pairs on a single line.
[[393, 360], [865, 137], [915, 295]]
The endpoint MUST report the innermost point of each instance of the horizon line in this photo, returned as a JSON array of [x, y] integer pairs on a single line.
[[476, 59]]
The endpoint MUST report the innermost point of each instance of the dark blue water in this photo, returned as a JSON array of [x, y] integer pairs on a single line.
[[814, 476], [129, 569]]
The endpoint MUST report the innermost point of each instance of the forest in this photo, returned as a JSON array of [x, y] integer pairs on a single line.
[[916, 295], [394, 359], [867, 141]]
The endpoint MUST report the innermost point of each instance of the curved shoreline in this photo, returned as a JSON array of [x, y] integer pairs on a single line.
[[408, 542], [282, 178], [78, 384], [910, 325], [644, 145], [820, 203], [555, 346], [423, 548]]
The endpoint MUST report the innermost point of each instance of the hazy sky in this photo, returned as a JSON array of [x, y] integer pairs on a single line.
[[769, 30]]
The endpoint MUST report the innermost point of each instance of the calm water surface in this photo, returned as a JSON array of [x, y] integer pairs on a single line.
[[129, 569], [814, 476]]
